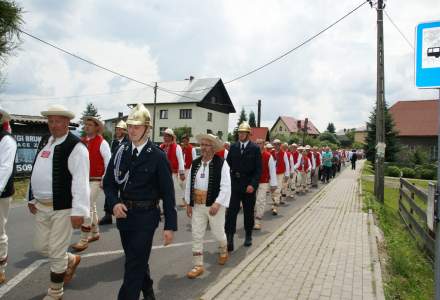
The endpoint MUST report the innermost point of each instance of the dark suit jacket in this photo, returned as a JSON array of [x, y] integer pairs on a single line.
[[245, 168], [149, 180], [115, 144]]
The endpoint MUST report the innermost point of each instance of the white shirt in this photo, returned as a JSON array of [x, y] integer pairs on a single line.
[[292, 164], [202, 184], [272, 172], [106, 153], [193, 153], [139, 148], [8, 148], [245, 144], [313, 161], [226, 154], [286, 163], [179, 155], [78, 165], [300, 158]]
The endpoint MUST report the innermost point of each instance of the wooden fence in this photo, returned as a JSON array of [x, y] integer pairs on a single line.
[[416, 207]]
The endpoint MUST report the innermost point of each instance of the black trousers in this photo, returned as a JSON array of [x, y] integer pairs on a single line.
[[353, 165], [107, 208], [248, 201], [137, 247], [327, 173]]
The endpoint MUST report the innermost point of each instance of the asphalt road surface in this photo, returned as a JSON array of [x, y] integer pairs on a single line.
[[99, 275]]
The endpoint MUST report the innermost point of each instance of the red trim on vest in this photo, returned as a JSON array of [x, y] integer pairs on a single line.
[[170, 150], [295, 157], [221, 153], [317, 159], [279, 159], [305, 163], [265, 174], [187, 155], [97, 167]]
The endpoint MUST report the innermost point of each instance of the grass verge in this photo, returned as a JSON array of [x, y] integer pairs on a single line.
[[21, 186], [408, 274]]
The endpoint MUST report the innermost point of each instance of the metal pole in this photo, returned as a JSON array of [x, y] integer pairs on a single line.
[[154, 110], [437, 225], [259, 114], [380, 103]]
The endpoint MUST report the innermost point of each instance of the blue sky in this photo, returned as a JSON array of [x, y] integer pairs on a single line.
[[331, 79]]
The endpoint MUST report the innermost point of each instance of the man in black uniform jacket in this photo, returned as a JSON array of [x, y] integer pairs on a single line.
[[120, 139], [137, 176], [244, 159]]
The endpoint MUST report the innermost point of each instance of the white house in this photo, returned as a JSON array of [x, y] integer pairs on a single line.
[[202, 105]]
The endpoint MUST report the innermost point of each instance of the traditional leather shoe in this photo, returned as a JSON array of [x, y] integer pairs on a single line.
[[2, 277], [195, 272], [80, 246], [248, 240], [222, 259], [257, 226], [148, 294], [71, 268], [106, 220], [274, 211], [94, 237], [230, 238]]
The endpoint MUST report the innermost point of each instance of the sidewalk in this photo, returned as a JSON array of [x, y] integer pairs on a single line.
[[326, 251]]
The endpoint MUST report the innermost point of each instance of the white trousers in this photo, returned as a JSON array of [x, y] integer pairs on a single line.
[[200, 220], [179, 186], [302, 181], [263, 188], [53, 231], [276, 196], [95, 193], [4, 211]]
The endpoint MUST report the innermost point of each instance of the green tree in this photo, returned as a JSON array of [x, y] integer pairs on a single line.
[[180, 131], [90, 110], [252, 121], [329, 137], [392, 146], [331, 128], [10, 22], [241, 119]]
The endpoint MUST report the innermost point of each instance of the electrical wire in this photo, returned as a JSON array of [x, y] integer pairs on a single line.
[[400, 31]]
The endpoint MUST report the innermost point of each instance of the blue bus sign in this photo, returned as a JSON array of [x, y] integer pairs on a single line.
[[427, 60]]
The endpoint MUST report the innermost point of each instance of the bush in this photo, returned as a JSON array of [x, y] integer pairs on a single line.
[[408, 173], [392, 171], [427, 174]]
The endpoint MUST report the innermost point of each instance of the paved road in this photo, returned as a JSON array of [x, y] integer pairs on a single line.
[[100, 272]]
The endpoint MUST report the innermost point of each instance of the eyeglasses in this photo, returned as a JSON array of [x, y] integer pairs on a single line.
[[205, 145]]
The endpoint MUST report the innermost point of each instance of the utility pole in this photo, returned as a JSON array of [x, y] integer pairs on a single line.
[[259, 114], [154, 109], [380, 103], [437, 225]]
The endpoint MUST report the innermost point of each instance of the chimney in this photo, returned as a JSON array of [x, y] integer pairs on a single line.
[[120, 115]]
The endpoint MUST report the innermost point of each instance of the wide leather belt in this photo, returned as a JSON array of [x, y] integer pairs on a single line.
[[95, 178], [130, 204], [200, 196]]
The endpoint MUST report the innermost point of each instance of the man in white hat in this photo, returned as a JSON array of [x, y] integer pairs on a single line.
[[312, 160], [99, 155], [268, 181], [59, 196], [207, 193], [138, 176], [175, 158], [282, 167], [8, 149], [244, 160], [303, 166], [120, 138]]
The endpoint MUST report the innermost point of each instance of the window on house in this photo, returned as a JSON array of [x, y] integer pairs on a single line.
[[220, 134], [186, 114], [161, 130], [281, 128], [208, 131], [163, 114], [209, 116]]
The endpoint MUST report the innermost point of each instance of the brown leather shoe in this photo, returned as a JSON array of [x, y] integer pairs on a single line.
[[93, 238], [257, 226], [195, 272], [2, 277], [71, 268], [222, 259], [80, 246]]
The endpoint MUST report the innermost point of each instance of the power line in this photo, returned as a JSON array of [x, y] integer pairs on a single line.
[[101, 67], [72, 96], [308, 40], [177, 93], [400, 31]]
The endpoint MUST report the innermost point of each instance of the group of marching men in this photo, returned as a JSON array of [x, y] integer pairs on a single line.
[[70, 173]]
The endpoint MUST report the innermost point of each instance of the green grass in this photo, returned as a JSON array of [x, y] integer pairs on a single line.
[[368, 168], [409, 274], [21, 186]]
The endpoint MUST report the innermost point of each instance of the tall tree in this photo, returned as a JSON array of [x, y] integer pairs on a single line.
[[10, 22], [252, 121], [90, 110], [392, 145], [241, 119], [331, 128]]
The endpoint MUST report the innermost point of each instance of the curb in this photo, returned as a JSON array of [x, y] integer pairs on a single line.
[[213, 291]]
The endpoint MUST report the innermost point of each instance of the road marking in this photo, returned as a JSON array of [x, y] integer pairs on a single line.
[[10, 284]]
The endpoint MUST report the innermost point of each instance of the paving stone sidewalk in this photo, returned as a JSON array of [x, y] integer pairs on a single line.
[[326, 251]]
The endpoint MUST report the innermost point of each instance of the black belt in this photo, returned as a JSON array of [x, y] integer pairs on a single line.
[[140, 204]]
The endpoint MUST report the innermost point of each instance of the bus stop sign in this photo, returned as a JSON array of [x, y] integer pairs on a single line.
[[427, 60]]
